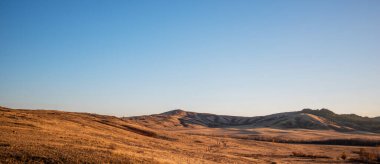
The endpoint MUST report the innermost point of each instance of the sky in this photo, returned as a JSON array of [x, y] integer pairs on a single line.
[[138, 57]]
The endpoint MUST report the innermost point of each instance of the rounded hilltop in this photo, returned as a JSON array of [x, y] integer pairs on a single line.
[[175, 112]]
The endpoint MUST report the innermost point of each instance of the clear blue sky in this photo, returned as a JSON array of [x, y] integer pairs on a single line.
[[133, 57]]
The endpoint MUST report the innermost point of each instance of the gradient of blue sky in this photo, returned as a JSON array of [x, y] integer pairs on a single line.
[[226, 57]]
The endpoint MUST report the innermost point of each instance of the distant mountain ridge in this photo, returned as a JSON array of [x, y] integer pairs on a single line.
[[320, 119]]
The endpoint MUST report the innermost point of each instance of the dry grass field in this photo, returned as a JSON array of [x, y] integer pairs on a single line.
[[48, 136]]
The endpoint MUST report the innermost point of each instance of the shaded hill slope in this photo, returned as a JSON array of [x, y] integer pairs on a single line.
[[352, 121], [323, 119]]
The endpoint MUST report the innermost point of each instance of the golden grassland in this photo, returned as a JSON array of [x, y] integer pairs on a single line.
[[48, 136]]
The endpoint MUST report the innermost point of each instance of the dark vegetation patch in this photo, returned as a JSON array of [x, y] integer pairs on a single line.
[[135, 130], [24, 124], [343, 142], [366, 156], [182, 122], [141, 131], [147, 133], [198, 141], [257, 156], [304, 155]]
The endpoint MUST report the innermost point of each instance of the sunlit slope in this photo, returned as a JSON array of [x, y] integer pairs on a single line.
[[65, 137], [48, 136]]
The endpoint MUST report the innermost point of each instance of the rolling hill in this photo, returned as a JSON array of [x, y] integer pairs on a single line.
[[51, 136], [322, 119]]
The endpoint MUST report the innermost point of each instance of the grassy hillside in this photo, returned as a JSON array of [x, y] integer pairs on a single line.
[[50, 136], [349, 120], [306, 119]]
